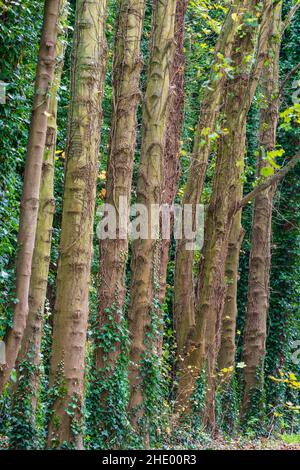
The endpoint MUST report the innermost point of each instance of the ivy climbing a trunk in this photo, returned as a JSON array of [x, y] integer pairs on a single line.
[[113, 252], [171, 169], [31, 187], [82, 152], [260, 255], [25, 391], [145, 252], [221, 221], [184, 285], [203, 342]]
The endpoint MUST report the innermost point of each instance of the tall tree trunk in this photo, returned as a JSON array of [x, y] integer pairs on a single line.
[[216, 247], [172, 148], [220, 216], [226, 357], [260, 255], [229, 314], [25, 391], [203, 341], [184, 290], [113, 253], [149, 187], [71, 308], [31, 187], [227, 350]]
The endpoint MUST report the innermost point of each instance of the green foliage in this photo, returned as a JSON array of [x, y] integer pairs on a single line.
[[107, 390], [284, 319], [19, 45], [291, 438], [106, 421], [23, 431], [227, 398]]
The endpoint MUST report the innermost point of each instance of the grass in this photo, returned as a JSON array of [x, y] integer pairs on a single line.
[[291, 438]]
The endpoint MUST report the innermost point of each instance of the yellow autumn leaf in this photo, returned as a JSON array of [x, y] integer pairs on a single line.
[[102, 175], [102, 193], [205, 131]]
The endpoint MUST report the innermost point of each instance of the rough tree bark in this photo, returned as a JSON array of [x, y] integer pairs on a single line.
[[25, 391], [238, 102], [229, 314], [215, 250], [149, 186], [184, 296], [203, 341], [82, 152], [260, 255], [227, 349], [226, 357], [171, 170], [113, 253], [127, 67], [31, 187]]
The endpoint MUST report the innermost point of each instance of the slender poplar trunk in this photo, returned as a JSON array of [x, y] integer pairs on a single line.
[[113, 253], [216, 248], [184, 289], [109, 330], [226, 355], [227, 188], [25, 392], [149, 185], [260, 255], [31, 187], [204, 339], [172, 149], [71, 308], [229, 315]]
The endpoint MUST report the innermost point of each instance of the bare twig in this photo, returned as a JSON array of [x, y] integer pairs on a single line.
[[262, 49], [289, 18], [288, 77], [269, 181]]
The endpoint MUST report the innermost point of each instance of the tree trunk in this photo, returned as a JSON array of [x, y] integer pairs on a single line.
[[184, 290], [226, 357], [229, 314], [25, 392], [71, 308], [113, 253], [227, 188], [31, 187], [184, 297], [172, 149], [203, 341], [260, 255], [149, 186], [218, 228]]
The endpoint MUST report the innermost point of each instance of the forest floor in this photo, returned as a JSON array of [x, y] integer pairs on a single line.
[[219, 444], [286, 443]]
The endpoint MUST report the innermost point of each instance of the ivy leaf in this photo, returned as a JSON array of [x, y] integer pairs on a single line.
[[267, 171]]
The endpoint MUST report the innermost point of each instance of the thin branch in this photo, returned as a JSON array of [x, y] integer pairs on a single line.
[[289, 18], [288, 77], [269, 182], [262, 49]]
